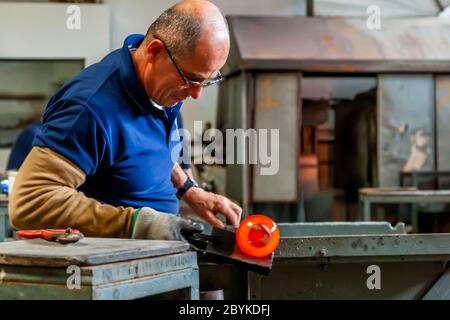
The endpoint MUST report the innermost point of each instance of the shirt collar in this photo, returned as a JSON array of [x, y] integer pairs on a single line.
[[157, 105]]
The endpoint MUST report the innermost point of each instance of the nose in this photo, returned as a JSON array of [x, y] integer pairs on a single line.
[[195, 91]]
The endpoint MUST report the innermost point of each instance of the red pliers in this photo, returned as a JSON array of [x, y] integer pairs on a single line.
[[63, 236]]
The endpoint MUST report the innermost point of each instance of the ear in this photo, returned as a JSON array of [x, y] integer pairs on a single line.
[[154, 49]]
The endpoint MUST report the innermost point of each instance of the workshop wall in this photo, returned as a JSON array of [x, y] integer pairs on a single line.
[[38, 31], [24, 93]]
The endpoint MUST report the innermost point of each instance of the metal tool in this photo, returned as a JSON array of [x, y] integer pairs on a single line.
[[63, 236], [220, 247]]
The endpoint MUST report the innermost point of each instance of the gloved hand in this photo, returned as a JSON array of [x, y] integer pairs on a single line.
[[154, 225]]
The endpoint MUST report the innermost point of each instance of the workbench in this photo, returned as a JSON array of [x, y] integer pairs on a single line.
[[412, 178], [313, 261], [96, 268], [427, 180], [329, 260], [369, 196]]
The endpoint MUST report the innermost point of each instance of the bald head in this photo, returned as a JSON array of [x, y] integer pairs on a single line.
[[189, 24], [198, 8]]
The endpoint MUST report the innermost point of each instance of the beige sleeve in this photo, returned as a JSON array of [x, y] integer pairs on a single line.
[[45, 196]]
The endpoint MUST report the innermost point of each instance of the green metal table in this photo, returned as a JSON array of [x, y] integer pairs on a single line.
[[368, 196], [98, 269], [317, 262]]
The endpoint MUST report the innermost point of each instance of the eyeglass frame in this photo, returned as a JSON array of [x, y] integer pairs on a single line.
[[188, 82]]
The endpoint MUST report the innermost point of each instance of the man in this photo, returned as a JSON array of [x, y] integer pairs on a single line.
[[102, 162]]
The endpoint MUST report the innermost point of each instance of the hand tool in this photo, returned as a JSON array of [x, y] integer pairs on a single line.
[[62, 236]]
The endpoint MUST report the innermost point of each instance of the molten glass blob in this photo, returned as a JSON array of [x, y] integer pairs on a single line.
[[258, 236]]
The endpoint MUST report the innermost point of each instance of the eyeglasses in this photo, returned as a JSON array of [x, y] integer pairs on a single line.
[[187, 81]]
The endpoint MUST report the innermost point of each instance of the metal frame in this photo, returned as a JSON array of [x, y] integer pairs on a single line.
[[415, 175], [369, 196]]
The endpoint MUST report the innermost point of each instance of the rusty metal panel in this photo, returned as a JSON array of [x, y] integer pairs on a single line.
[[442, 119], [388, 8], [232, 114], [277, 112], [405, 125], [333, 44]]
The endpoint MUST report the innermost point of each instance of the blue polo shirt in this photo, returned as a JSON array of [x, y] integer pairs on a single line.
[[104, 122]]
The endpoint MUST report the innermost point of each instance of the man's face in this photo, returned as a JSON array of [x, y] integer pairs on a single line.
[[163, 82]]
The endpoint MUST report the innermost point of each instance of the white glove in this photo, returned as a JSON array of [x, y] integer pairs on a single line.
[[154, 225]]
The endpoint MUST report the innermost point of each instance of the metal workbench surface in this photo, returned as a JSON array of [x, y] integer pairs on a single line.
[[399, 247], [87, 251]]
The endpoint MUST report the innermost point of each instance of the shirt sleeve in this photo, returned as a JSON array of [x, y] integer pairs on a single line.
[[46, 196], [73, 131]]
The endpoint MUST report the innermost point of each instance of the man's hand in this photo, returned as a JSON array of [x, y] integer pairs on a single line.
[[155, 225], [206, 205]]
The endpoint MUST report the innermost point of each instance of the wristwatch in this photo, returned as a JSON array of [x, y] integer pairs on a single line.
[[185, 187]]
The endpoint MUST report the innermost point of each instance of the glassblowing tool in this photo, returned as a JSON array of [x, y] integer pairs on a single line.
[[251, 245]]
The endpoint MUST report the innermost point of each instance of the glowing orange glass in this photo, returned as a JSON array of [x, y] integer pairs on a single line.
[[258, 236]]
